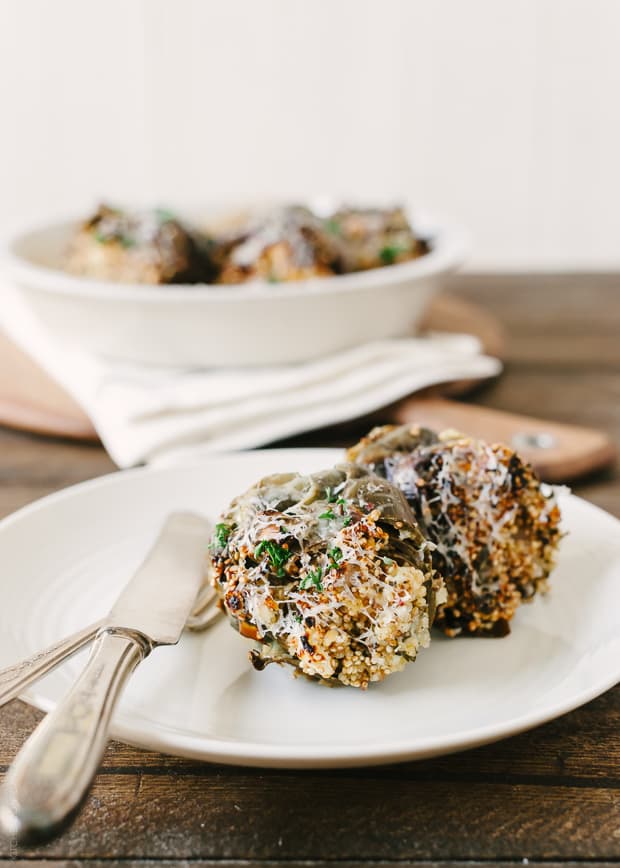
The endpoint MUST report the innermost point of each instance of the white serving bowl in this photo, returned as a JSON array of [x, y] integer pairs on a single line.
[[223, 326]]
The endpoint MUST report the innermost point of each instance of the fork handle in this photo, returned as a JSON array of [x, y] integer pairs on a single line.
[[53, 771], [14, 679]]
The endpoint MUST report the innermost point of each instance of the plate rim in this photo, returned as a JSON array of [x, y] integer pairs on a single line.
[[246, 753]]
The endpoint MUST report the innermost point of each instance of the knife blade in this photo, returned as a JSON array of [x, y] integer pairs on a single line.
[[53, 771], [152, 603]]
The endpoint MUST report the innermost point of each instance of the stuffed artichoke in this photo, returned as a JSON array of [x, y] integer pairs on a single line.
[[291, 243], [373, 237], [287, 243], [494, 525], [329, 573], [139, 247]]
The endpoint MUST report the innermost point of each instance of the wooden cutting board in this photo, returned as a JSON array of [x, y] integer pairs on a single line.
[[31, 400]]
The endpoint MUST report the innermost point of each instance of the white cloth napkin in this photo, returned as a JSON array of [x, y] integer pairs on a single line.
[[144, 414]]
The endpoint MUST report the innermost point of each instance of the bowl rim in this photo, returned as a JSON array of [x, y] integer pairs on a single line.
[[449, 246]]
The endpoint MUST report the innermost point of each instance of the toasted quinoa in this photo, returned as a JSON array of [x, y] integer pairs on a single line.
[[329, 573], [149, 247], [495, 526]]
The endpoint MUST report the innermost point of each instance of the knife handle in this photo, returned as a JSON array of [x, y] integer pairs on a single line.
[[16, 678], [53, 771]]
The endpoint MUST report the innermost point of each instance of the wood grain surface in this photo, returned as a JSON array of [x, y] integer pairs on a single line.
[[551, 796]]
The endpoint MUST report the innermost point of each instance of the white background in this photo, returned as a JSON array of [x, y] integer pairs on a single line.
[[501, 114]]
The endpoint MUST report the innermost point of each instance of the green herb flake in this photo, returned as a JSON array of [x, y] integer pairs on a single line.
[[390, 253], [330, 514], [164, 215], [100, 237], [347, 520], [330, 497], [220, 537], [277, 555], [335, 556], [126, 241], [333, 226], [312, 580]]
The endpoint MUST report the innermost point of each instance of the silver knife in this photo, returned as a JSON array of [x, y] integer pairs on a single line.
[[53, 771]]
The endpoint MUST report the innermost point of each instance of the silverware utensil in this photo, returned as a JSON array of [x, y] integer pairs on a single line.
[[205, 611], [53, 771], [15, 679]]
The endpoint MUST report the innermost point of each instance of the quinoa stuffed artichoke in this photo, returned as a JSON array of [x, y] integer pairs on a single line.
[[373, 237], [328, 573], [283, 244], [138, 247], [494, 525]]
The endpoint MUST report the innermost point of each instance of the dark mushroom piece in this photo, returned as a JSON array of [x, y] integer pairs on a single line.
[[496, 527], [328, 573]]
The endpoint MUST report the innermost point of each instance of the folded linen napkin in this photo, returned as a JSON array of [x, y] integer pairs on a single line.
[[145, 414]]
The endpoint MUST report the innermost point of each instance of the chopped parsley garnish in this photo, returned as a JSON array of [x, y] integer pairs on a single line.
[[330, 514], [390, 252], [330, 497], [341, 503], [312, 580], [273, 279], [333, 226], [335, 555], [277, 555], [164, 215], [220, 537], [105, 237]]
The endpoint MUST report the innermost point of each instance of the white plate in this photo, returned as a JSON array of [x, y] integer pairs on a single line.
[[65, 558]]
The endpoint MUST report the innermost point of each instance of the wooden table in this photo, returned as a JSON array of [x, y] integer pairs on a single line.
[[551, 795]]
